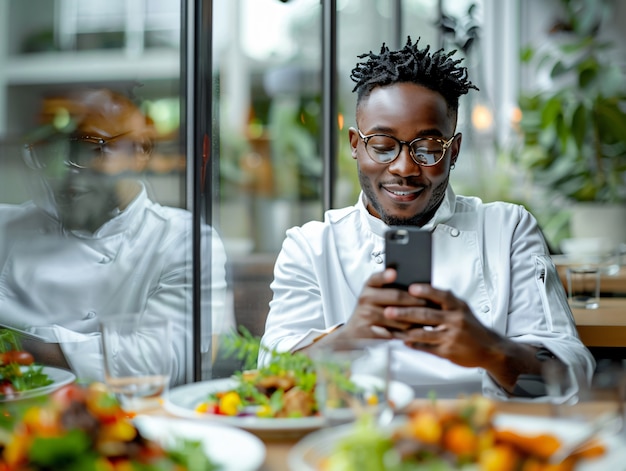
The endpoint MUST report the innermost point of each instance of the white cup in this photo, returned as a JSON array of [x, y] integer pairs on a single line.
[[137, 360]]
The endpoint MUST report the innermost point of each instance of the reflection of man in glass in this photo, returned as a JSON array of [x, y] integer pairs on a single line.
[[87, 166], [92, 244]]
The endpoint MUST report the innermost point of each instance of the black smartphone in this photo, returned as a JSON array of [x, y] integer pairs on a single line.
[[409, 251]]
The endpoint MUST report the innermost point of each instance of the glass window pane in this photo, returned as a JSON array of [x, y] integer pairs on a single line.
[[88, 234], [268, 99], [267, 94]]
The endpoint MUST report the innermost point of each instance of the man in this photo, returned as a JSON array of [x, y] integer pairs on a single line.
[[92, 244], [496, 308]]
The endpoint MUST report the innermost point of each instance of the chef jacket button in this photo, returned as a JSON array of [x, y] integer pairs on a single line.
[[485, 308], [90, 315], [455, 232], [378, 257], [105, 259]]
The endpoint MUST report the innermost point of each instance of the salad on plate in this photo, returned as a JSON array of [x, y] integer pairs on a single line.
[[85, 428], [282, 389], [285, 388], [18, 370], [435, 437]]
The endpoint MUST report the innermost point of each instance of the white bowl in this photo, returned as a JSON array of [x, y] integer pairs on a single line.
[[584, 247]]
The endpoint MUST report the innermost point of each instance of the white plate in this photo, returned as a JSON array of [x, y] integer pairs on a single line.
[[183, 400], [307, 454], [229, 447], [59, 377]]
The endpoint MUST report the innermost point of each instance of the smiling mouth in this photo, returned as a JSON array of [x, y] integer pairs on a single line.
[[407, 194], [69, 195]]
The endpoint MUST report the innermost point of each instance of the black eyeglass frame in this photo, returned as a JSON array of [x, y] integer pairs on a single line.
[[38, 164], [445, 146]]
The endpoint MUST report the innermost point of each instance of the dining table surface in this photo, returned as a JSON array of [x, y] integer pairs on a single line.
[[278, 444], [604, 326]]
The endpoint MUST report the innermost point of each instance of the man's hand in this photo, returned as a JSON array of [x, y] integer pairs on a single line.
[[368, 319], [437, 322], [453, 332]]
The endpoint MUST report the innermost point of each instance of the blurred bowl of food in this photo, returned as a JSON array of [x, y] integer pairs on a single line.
[[586, 249]]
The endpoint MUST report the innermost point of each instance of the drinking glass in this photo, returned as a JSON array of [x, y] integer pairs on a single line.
[[137, 360], [591, 401], [353, 379], [564, 392], [583, 286]]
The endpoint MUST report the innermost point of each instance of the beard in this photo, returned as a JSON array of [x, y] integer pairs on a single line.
[[85, 201], [419, 219]]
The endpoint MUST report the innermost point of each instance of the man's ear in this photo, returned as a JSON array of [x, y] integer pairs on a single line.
[[354, 141], [142, 155], [455, 148]]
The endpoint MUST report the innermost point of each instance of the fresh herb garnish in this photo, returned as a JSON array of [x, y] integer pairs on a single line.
[[18, 373], [9, 340], [284, 387], [32, 377], [246, 347]]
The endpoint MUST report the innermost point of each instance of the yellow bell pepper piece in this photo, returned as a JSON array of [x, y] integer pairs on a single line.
[[229, 403]]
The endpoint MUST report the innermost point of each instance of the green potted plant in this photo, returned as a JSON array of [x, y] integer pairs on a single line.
[[574, 131]]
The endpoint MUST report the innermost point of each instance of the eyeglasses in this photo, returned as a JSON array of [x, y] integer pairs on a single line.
[[425, 151], [79, 152]]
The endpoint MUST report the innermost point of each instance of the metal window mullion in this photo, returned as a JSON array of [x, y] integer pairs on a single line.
[[66, 16], [134, 27], [198, 100], [329, 101], [396, 18]]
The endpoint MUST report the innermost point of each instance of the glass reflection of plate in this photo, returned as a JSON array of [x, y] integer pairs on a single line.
[[59, 377]]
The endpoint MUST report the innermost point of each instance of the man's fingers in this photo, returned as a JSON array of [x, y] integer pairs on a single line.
[[382, 278], [421, 335], [415, 315]]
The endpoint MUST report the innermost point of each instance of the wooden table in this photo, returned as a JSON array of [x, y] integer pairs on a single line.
[[604, 326]]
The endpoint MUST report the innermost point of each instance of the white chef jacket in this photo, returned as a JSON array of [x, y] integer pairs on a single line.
[[61, 284], [492, 255]]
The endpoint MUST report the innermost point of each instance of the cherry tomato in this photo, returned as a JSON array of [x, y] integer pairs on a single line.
[[6, 389], [68, 394], [16, 356], [102, 404], [208, 408]]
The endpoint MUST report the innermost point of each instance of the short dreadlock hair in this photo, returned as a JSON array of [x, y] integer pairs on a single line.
[[436, 71]]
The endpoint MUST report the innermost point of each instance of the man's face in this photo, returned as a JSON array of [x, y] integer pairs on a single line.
[[403, 192], [84, 198], [89, 181]]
